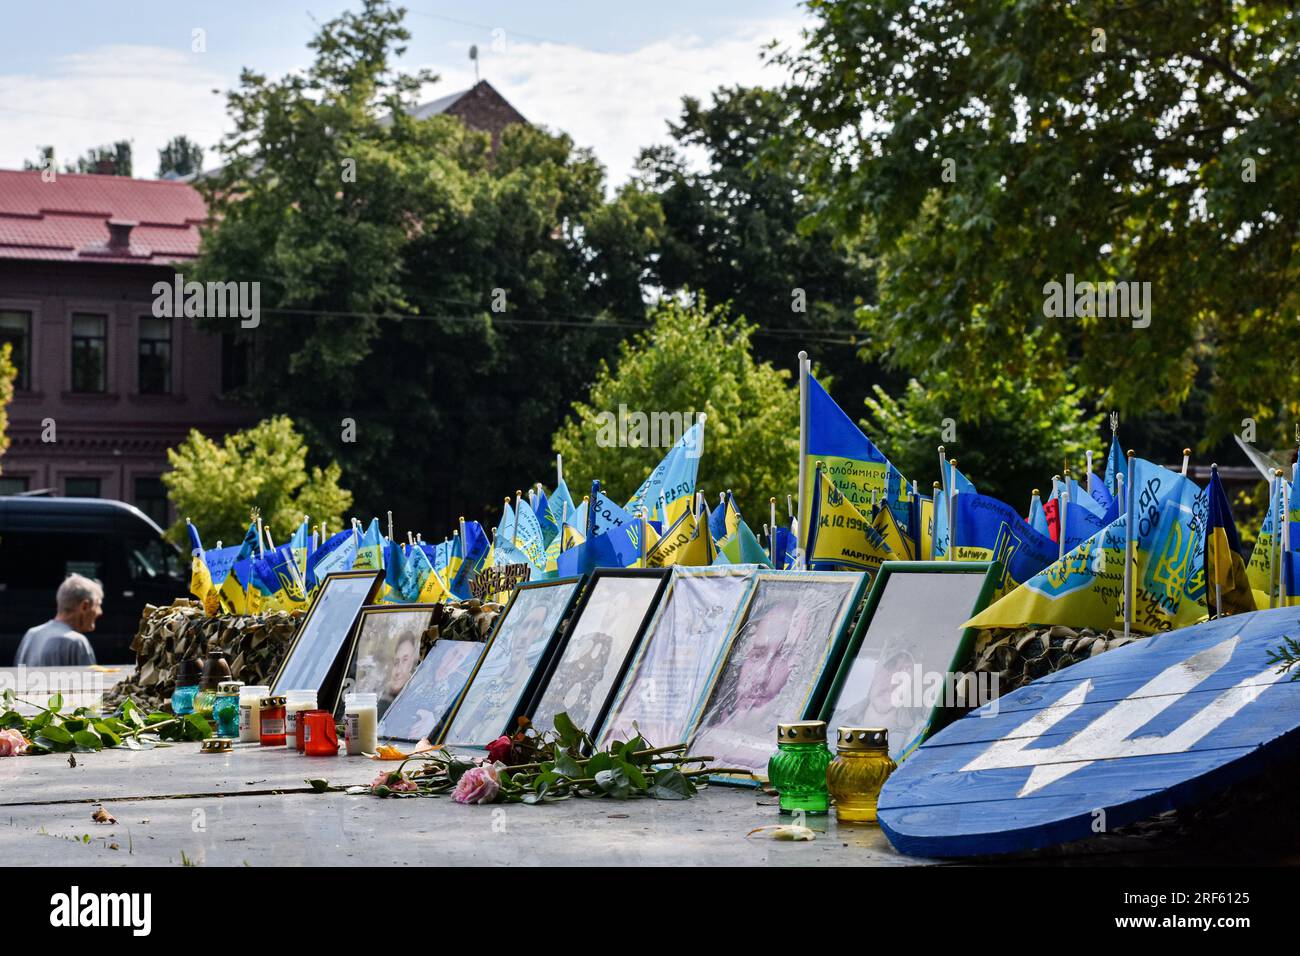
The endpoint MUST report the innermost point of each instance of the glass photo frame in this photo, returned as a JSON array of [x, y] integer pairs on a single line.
[[777, 666], [595, 648], [387, 649], [315, 660], [420, 709], [507, 674], [910, 632], [671, 670]]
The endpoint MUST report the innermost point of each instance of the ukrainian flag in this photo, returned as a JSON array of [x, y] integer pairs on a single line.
[[852, 462], [370, 553], [1226, 581], [673, 479], [841, 538], [234, 599]]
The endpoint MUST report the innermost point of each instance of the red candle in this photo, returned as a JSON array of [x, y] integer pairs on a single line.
[[319, 735], [272, 721]]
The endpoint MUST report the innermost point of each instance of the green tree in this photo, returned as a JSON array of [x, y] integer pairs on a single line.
[[181, 156], [693, 359], [1044, 421], [738, 228], [406, 266], [988, 149], [265, 467], [8, 375], [111, 160]]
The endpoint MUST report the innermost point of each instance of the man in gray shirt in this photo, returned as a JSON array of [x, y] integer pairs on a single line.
[[61, 642]]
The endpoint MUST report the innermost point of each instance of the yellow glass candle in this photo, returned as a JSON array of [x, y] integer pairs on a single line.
[[860, 768]]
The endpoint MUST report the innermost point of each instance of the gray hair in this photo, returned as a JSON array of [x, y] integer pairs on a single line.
[[75, 589]]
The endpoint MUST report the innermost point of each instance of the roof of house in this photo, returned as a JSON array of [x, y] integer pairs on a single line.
[[68, 218]]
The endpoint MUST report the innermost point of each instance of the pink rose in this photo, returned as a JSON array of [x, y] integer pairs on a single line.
[[12, 743], [394, 782], [478, 785]]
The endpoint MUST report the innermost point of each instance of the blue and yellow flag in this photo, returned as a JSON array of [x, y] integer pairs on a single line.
[[1262, 571], [335, 554], [673, 479], [300, 544], [987, 529], [559, 508], [852, 462], [471, 556], [1038, 517], [370, 553], [234, 600], [682, 543], [742, 547], [842, 538], [1116, 464], [1227, 588], [201, 585]]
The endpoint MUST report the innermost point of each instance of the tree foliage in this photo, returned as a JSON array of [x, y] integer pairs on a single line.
[[1155, 142], [406, 267], [692, 359], [264, 467], [181, 157], [736, 227], [8, 375], [111, 160]]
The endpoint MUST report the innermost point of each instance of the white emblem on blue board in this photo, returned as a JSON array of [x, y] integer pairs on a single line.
[[1107, 737]]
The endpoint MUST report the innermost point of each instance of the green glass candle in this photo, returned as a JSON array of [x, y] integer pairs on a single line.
[[798, 768]]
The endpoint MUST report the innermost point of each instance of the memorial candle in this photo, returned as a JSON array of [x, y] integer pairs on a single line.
[[361, 722], [250, 712]]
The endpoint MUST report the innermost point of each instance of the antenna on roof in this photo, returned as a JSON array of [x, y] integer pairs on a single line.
[[473, 55]]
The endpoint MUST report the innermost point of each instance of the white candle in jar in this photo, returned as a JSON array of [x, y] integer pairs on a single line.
[[295, 703], [250, 712], [361, 723]]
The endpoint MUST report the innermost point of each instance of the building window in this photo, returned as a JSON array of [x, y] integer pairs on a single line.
[[81, 487], [151, 498], [16, 329], [236, 361], [89, 352], [13, 486], [155, 352]]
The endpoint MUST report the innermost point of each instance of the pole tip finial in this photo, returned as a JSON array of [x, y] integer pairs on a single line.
[[803, 356], [1035, 492], [1187, 451], [1132, 453]]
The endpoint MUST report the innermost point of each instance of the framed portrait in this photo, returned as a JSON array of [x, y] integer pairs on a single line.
[[670, 671], [387, 649], [421, 707], [595, 648], [507, 674], [778, 664], [909, 640], [316, 659]]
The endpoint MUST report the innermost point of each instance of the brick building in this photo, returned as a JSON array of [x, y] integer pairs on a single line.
[[97, 372], [480, 108]]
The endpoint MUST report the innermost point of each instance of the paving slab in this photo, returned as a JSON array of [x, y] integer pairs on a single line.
[[334, 829]]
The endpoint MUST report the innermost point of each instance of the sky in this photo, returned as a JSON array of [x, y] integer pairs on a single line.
[[81, 74]]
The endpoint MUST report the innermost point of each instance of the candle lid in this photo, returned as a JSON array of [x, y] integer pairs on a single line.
[[216, 745], [801, 732], [272, 702], [863, 738], [229, 688]]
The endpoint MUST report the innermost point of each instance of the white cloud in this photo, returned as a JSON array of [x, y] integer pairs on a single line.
[[143, 93], [618, 103]]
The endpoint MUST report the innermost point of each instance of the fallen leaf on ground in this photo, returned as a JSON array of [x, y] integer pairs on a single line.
[[103, 816], [784, 832]]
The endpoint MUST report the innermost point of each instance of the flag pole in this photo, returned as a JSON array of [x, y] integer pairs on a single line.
[[1128, 554], [559, 470], [934, 516], [564, 519], [1089, 456], [1064, 510], [803, 450], [1187, 455], [1218, 586], [514, 528], [1275, 546], [589, 529], [789, 507], [771, 532], [952, 510]]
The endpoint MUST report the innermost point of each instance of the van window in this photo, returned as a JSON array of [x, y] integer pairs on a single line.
[[40, 561], [152, 559]]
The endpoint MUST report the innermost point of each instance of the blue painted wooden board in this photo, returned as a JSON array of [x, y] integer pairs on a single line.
[[1148, 727]]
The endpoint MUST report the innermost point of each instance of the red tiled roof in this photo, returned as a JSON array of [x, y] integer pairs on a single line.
[[67, 219]]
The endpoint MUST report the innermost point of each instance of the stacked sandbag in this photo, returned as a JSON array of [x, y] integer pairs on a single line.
[[254, 645], [1020, 656]]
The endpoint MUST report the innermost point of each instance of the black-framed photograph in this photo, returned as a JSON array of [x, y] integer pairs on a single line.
[[901, 662], [507, 674], [316, 657], [595, 648], [779, 661], [670, 671], [387, 649], [421, 707]]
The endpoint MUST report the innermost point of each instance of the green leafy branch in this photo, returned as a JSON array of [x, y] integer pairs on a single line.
[[1287, 657], [85, 731]]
